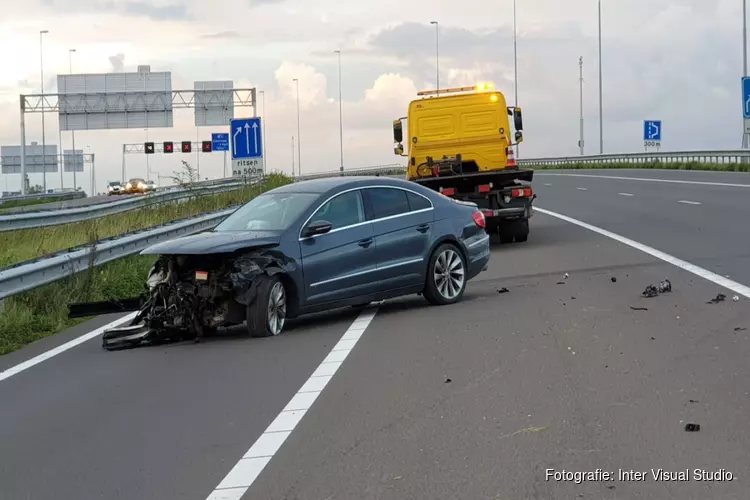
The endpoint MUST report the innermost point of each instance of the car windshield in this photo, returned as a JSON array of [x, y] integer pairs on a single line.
[[271, 212]]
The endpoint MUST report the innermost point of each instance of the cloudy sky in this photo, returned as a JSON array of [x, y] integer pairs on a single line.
[[675, 60]]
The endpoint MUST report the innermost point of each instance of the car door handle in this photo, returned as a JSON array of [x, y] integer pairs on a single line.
[[422, 228], [365, 243]]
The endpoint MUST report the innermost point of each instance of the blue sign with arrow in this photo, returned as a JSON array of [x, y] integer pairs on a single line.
[[746, 97], [220, 142], [652, 130], [246, 138]]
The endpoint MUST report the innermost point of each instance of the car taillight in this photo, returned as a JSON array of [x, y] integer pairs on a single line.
[[521, 193], [485, 188], [448, 191], [479, 219]]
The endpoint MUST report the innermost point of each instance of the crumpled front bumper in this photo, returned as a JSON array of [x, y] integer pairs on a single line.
[[126, 336]]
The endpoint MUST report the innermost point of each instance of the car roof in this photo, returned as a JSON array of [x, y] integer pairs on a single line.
[[327, 184]]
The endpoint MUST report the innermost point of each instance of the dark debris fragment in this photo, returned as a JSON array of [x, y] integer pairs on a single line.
[[502, 290], [614, 280], [740, 329], [650, 291], [719, 298], [692, 427], [639, 308], [448, 381], [665, 286]]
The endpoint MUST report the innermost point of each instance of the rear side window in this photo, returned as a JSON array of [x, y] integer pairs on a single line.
[[385, 202], [417, 202]]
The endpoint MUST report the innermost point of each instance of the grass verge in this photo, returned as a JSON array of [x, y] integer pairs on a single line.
[[688, 165], [43, 311], [18, 246]]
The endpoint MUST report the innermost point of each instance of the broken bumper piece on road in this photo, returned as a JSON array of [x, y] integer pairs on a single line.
[[125, 336]]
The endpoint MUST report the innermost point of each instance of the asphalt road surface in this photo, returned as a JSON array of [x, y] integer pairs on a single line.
[[476, 400]]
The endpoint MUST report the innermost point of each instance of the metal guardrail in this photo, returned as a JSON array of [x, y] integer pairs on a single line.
[[707, 156], [65, 195], [29, 220], [26, 276]]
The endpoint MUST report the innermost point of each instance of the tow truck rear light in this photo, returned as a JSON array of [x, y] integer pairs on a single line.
[[522, 193], [448, 191], [479, 219], [485, 188]]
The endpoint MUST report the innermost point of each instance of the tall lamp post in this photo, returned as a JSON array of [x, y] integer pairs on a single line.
[[601, 114], [44, 141], [72, 132], [263, 125], [437, 56], [299, 140], [745, 136], [341, 121]]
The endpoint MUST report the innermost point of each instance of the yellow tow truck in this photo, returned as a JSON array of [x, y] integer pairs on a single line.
[[460, 144]]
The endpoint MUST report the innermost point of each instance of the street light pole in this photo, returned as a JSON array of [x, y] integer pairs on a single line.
[[72, 132], [745, 136], [601, 114], [44, 141], [515, 62], [299, 140], [437, 56], [580, 82], [341, 120]]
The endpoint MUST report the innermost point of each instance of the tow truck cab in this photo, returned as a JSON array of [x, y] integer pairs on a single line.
[[460, 144]]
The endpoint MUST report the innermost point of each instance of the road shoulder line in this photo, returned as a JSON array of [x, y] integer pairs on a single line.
[[248, 468], [646, 179], [20, 367], [670, 259]]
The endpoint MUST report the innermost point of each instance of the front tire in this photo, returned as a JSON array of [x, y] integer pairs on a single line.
[[446, 276], [266, 315]]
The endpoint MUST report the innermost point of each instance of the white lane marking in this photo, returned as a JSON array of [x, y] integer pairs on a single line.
[[625, 194], [547, 184], [15, 370], [673, 181], [670, 259], [689, 202], [582, 189], [248, 468]]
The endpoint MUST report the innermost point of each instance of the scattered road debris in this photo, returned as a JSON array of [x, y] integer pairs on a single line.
[[736, 298], [560, 282], [639, 308], [502, 290], [650, 291], [665, 286], [740, 329], [448, 381], [614, 280], [719, 298], [692, 427], [693, 400]]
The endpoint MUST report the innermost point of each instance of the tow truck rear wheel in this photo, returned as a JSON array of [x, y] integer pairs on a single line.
[[266, 315], [521, 230]]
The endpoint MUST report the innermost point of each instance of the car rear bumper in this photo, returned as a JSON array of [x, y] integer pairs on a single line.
[[479, 254]]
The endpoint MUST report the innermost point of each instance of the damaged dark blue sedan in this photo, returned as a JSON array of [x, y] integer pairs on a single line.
[[307, 247]]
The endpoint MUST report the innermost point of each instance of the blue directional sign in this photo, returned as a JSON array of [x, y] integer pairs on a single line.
[[246, 138], [652, 130], [220, 142], [746, 97]]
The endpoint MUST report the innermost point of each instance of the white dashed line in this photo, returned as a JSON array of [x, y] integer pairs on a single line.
[[547, 184], [626, 194], [15, 370], [645, 179], [582, 189], [670, 259], [689, 202], [252, 463]]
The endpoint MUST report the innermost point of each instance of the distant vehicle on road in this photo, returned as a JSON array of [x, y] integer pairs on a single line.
[[151, 185], [303, 248], [114, 187], [136, 185]]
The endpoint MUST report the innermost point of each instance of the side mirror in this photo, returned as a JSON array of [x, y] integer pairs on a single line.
[[317, 227], [398, 131], [519, 137], [399, 149], [517, 119]]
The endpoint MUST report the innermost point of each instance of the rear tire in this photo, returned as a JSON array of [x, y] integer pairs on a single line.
[[446, 276], [266, 315], [521, 230]]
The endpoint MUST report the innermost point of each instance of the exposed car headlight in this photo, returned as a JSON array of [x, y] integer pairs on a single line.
[[128, 186]]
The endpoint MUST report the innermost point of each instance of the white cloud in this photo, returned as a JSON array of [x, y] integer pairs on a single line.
[[675, 60]]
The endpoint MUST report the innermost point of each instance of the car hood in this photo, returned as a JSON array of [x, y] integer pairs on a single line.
[[213, 242]]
